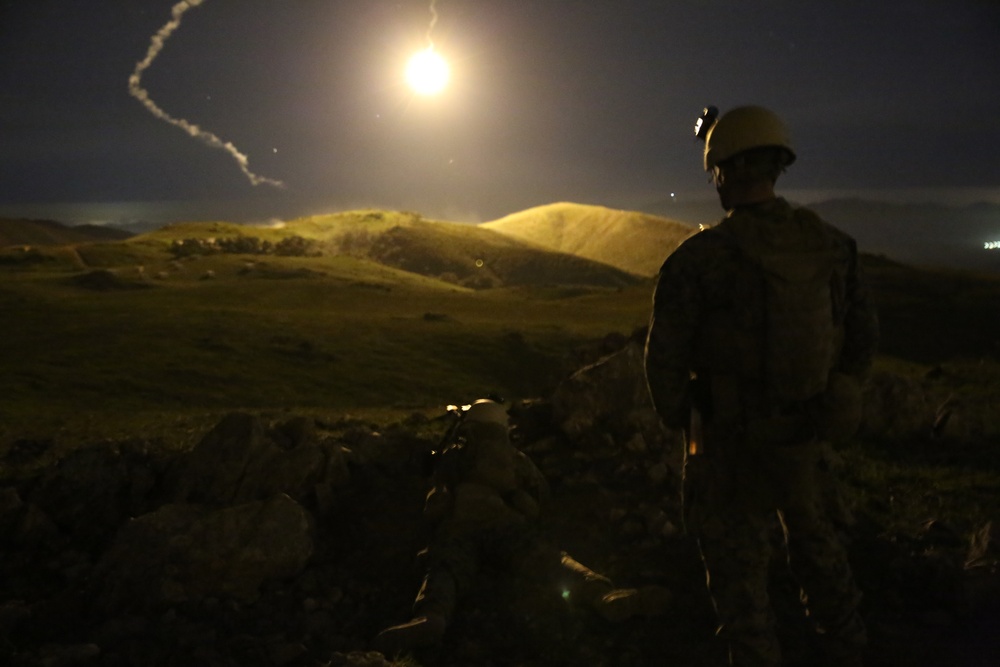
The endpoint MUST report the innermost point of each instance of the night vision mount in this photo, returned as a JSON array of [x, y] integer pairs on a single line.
[[709, 116], [454, 415]]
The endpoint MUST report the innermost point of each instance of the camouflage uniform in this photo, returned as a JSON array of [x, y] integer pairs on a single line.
[[483, 509], [707, 348]]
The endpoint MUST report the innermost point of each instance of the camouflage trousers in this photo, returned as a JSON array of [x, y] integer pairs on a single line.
[[731, 502]]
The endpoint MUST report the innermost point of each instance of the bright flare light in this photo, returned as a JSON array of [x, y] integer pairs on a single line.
[[427, 72]]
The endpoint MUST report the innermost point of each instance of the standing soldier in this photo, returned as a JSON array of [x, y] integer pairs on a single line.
[[760, 337]]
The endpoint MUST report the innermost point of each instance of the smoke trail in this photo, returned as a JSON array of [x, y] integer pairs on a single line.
[[430, 28], [136, 90]]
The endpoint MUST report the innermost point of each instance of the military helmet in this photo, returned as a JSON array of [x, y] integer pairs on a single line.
[[486, 411], [742, 129]]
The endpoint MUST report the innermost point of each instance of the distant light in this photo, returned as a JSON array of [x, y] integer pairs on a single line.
[[672, 195], [992, 245], [427, 72]]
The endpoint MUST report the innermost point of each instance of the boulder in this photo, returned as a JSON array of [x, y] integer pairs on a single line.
[[896, 406], [92, 490], [609, 395], [184, 552], [238, 461]]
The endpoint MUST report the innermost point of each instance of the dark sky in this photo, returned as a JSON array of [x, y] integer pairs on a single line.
[[550, 100]]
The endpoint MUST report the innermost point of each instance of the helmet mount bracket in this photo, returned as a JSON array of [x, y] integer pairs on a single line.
[[705, 122]]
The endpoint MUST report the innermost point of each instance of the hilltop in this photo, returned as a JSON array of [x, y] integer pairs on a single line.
[[629, 240], [24, 232], [562, 243], [453, 253]]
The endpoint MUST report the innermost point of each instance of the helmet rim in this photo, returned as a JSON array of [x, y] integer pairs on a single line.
[[746, 128]]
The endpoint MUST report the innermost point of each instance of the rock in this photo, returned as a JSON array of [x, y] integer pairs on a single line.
[[187, 552], [658, 473], [285, 652], [213, 471], [236, 462], [938, 533], [611, 398], [95, 488], [11, 509], [360, 659], [637, 444], [295, 432], [984, 547], [36, 530], [895, 406], [54, 655], [24, 450], [12, 613]]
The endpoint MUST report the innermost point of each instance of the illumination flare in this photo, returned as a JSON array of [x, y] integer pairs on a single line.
[[427, 72], [136, 90]]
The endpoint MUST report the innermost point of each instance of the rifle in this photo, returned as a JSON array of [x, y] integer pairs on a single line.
[[455, 415]]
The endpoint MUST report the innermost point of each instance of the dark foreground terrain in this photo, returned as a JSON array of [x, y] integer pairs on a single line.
[[185, 478], [283, 540]]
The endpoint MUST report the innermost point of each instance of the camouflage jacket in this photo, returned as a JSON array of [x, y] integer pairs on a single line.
[[484, 465], [709, 315]]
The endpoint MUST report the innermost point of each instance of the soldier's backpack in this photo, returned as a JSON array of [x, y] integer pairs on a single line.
[[800, 267]]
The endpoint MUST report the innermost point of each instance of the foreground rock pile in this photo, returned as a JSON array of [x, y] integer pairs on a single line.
[[293, 542]]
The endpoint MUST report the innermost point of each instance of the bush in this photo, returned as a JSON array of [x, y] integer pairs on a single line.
[[297, 246]]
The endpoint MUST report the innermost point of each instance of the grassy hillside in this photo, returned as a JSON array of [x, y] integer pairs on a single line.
[[479, 257], [631, 241], [380, 314], [117, 336], [459, 253], [932, 315]]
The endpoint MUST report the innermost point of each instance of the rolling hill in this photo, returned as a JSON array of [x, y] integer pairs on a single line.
[[461, 254], [20, 232], [629, 240]]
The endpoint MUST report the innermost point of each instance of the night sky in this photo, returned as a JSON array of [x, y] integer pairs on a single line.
[[590, 101]]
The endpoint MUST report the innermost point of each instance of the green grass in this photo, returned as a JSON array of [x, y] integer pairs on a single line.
[[933, 316], [900, 486], [326, 335], [337, 334]]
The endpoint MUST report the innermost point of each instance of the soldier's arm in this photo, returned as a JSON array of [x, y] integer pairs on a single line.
[[670, 341]]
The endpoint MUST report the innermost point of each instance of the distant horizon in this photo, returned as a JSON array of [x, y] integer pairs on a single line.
[[261, 210]]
